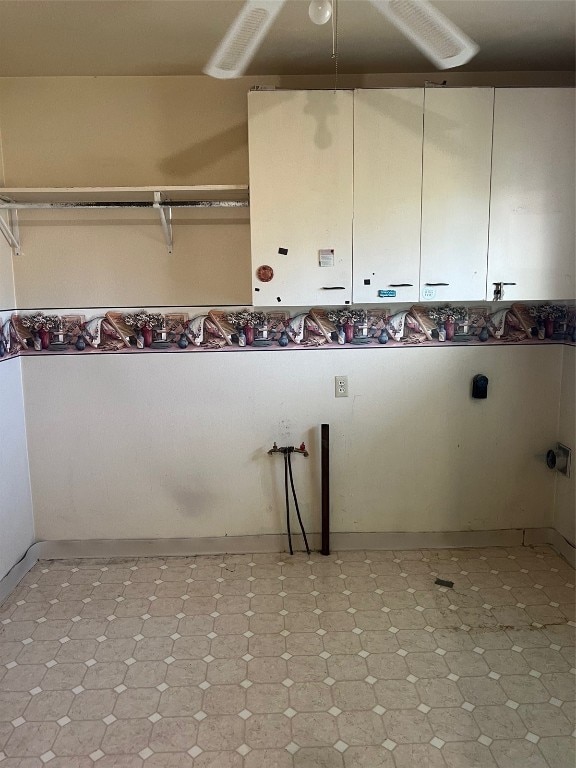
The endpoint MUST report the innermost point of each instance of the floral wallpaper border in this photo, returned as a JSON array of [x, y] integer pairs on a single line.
[[38, 332]]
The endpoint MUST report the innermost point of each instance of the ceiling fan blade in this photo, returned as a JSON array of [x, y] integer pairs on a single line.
[[436, 36], [243, 38]]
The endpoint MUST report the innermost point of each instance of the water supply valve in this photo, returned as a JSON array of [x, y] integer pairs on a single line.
[[287, 451]]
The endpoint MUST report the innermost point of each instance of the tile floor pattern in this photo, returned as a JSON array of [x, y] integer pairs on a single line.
[[357, 660]]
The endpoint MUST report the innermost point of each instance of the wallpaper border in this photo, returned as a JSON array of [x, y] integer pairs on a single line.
[[37, 333]]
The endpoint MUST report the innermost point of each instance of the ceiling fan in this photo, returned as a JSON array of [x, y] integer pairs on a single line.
[[439, 39]]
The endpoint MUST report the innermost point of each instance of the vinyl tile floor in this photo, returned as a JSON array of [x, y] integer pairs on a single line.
[[357, 660]]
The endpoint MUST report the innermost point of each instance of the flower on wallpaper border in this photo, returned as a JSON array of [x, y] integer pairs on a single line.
[[548, 312], [447, 314], [144, 319], [345, 316], [39, 321], [245, 318]]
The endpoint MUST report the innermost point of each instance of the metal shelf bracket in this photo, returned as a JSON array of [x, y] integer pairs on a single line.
[[10, 229], [165, 212]]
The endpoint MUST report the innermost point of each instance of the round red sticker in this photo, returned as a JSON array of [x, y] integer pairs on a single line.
[[265, 273]]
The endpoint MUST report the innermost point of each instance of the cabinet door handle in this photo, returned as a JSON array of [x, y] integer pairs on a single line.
[[400, 285], [433, 285], [498, 290], [333, 288]]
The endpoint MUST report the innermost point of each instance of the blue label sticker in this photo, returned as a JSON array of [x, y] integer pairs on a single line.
[[387, 294]]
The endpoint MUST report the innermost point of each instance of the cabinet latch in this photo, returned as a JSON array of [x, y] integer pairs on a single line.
[[499, 290]]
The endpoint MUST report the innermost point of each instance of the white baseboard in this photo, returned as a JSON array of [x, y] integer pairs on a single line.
[[53, 550], [427, 539], [276, 542], [56, 550], [555, 539], [15, 575]]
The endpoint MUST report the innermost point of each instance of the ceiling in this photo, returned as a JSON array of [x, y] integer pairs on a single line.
[[176, 37]]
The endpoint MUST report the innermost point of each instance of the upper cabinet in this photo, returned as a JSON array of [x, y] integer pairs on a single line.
[[457, 155], [532, 235], [436, 194], [301, 176], [387, 194]]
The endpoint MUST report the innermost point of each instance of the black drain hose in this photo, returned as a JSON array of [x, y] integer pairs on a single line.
[[295, 504]]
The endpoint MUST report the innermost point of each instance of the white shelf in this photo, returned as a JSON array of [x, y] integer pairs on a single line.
[[214, 192], [161, 198]]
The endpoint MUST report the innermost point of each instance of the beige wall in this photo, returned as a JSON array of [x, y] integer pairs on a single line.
[[565, 502], [172, 445], [120, 259], [7, 297]]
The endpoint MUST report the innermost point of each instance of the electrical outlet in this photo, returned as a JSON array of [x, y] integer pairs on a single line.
[[340, 386]]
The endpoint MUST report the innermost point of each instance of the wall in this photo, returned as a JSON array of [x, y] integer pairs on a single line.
[[161, 445], [16, 523], [565, 502], [175, 445]]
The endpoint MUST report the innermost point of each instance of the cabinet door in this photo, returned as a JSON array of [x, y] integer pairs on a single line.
[[456, 193], [387, 194], [532, 234], [301, 161]]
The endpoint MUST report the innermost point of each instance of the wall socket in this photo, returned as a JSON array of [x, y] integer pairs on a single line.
[[340, 386]]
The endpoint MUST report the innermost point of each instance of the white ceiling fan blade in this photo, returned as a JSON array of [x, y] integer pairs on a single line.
[[243, 38], [436, 36]]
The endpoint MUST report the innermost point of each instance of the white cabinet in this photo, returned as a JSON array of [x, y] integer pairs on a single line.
[[455, 193], [532, 236], [387, 194], [301, 176], [440, 192]]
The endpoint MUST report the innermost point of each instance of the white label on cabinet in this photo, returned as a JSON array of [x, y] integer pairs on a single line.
[[326, 257]]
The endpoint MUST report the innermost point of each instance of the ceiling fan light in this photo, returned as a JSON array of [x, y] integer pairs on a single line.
[[320, 11]]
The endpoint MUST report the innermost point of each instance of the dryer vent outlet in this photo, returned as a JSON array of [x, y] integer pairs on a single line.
[[560, 459]]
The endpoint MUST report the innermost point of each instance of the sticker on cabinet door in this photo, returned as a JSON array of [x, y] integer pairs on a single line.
[[388, 293], [428, 293], [326, 257]]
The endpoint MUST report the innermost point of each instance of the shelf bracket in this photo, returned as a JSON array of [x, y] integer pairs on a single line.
[[10, 228], [165, 212]]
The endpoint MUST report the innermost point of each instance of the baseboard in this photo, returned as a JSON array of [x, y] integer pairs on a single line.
[[15, 575], [274, 542], [427, 539], [555, 539], [56, 550]]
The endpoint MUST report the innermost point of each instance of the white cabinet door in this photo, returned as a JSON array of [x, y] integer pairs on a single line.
[[532, 236], [387, 194], [301, 166], [456, 193]]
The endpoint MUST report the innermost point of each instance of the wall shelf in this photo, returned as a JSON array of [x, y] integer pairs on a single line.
[[162, 199]]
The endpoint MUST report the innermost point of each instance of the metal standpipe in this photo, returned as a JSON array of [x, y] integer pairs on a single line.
[[325, 470]]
